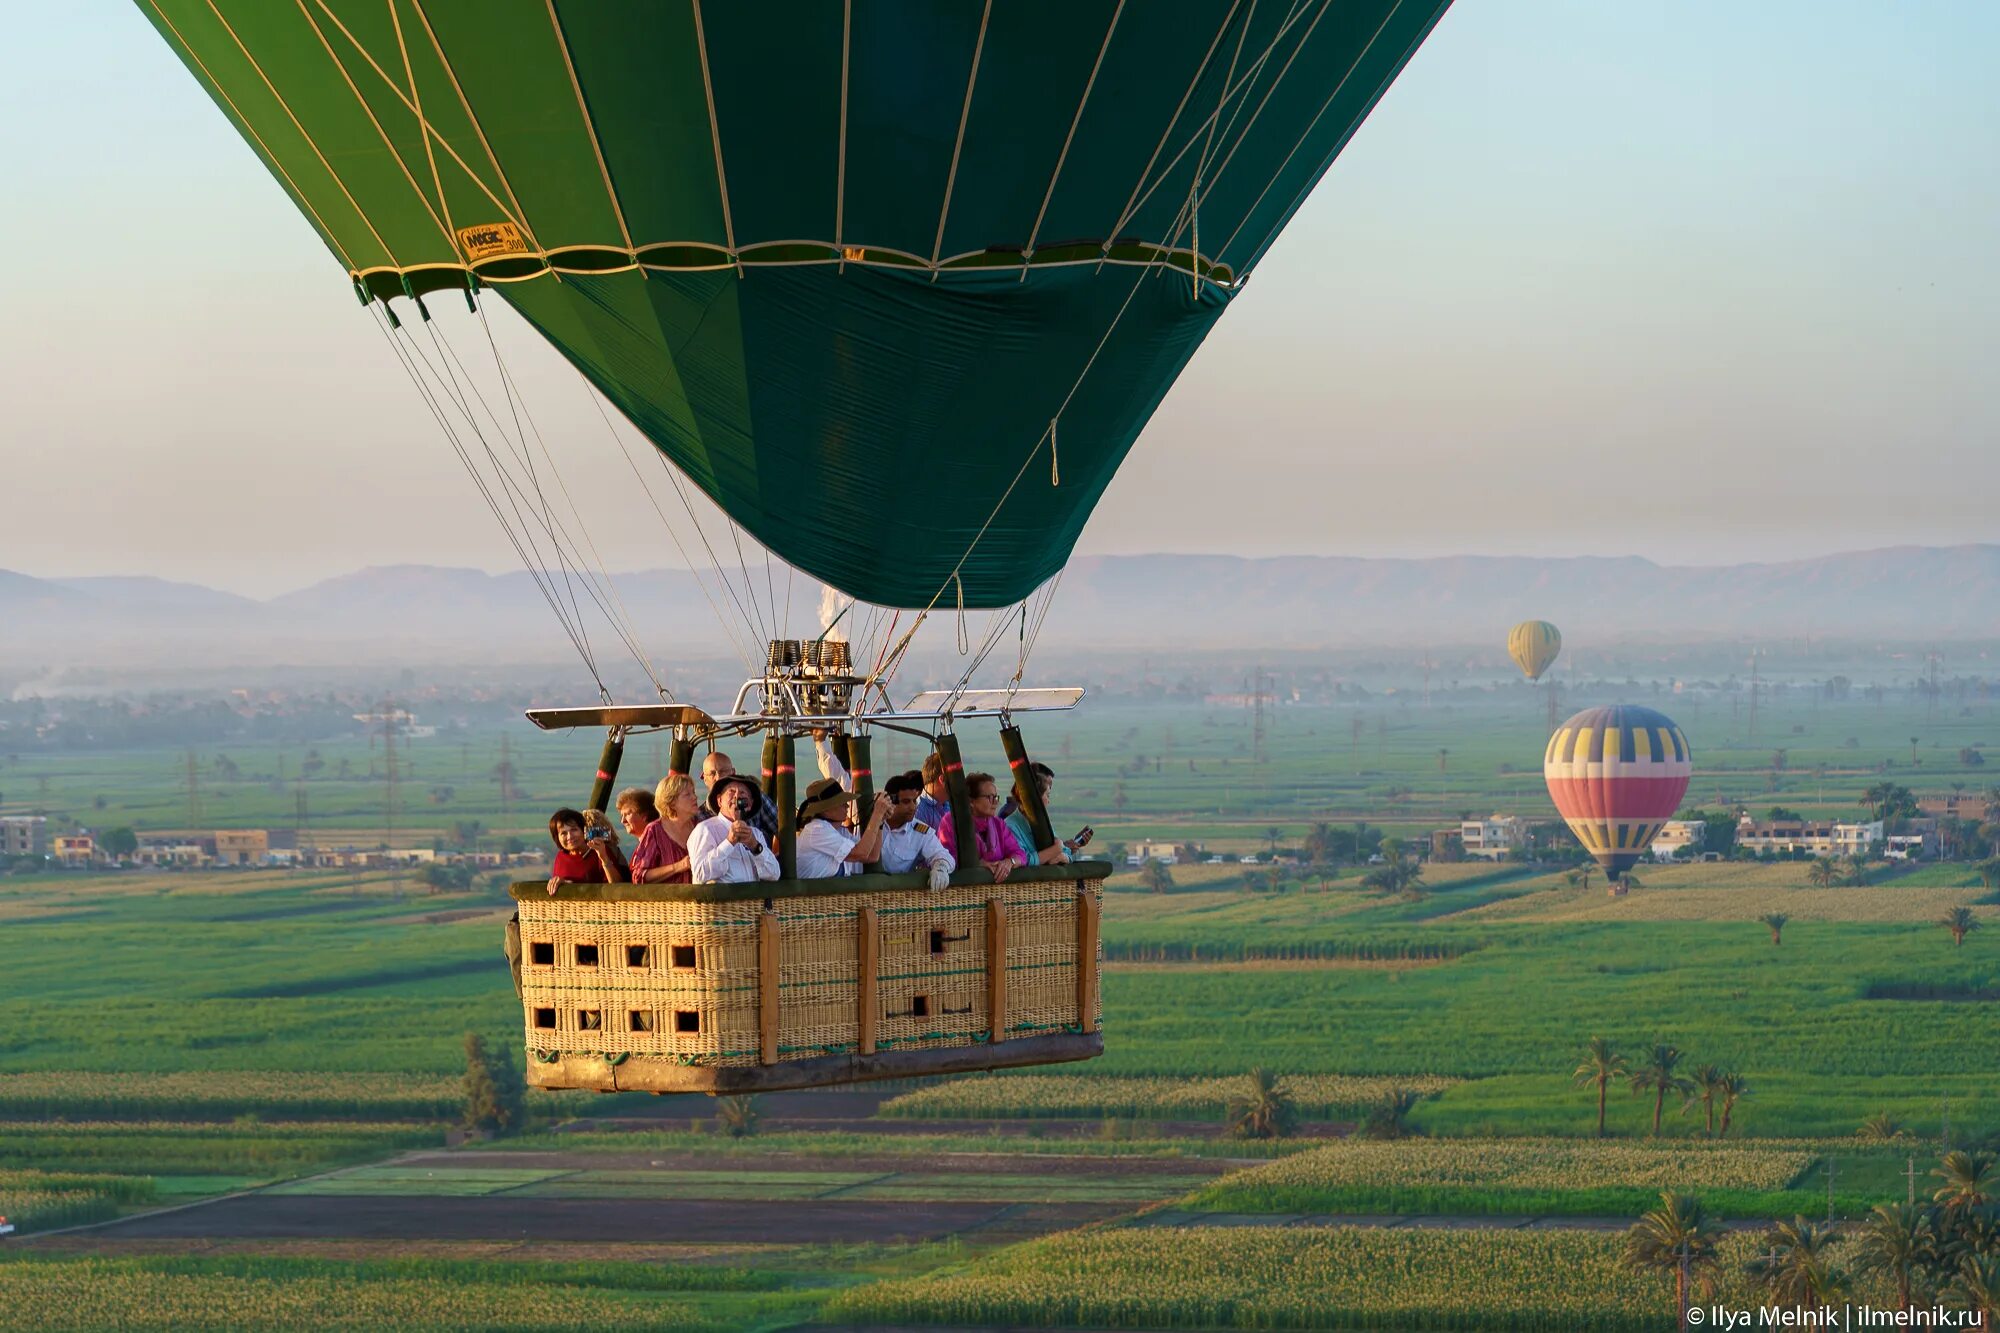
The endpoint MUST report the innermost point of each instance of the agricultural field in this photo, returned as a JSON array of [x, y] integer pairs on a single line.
[[1297, 1278], [284, 1048]]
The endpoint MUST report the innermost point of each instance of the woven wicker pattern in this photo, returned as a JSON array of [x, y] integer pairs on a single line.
[[679, 981]]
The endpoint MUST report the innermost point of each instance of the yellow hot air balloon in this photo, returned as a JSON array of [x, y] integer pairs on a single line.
[[1534, 646]]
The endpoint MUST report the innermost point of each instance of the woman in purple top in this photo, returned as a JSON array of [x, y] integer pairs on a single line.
[[662, 855], [999, 851]]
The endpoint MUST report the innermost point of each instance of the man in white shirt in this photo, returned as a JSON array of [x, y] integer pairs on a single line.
[[728, 849], [907, 842], [825, 847]]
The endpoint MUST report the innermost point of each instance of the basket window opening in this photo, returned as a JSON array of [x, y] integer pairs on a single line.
[[638, 955], [641, 1020], [942, 940], [687, 1020], [590, 1020], [542, 953], [920, 1006], [681, 955], [545, 1019], [586, 955]]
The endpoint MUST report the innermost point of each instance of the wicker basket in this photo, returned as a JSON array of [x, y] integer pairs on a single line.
[[748, 987]]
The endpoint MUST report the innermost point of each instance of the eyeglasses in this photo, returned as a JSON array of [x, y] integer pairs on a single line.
[[987, 796]]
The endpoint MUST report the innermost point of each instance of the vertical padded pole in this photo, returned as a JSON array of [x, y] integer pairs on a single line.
[[769, 768], [961, 803], [680, 760], [863, 778], [767, 986], [868, 962], [996, 967], [786, 797], [1086, 960], [1027, 792], [607, 770]]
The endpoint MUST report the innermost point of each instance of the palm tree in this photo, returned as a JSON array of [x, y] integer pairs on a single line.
[[1678, 1237], [1659, 1076], [1795, 1266], [1821, 873], [1960, 922], [1976, 1285], [1707, 1089], [1734, 1089], [1263, 1110], [1579, 878], [1880, 1128], [1390, 1117], [1601, 1064], [1272, 837], [1444, 757], [737, 1116], [1898, 1242], [1989, 871], [1968, 1180], [1775, 921]]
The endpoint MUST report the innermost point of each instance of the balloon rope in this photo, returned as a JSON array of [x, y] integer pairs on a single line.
[[514, 537]]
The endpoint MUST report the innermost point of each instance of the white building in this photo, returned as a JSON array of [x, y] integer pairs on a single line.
[[1166, 853], [1493, 837], [1788, 837], [1680, 840]]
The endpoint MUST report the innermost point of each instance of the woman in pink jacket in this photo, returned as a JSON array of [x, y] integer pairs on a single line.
[[999, 851]]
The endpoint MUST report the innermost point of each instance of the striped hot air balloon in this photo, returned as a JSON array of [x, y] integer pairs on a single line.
[[1616, 775], [1534, 646]]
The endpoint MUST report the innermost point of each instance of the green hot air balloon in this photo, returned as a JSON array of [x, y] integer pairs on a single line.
[[896, 282], [1534, 645]]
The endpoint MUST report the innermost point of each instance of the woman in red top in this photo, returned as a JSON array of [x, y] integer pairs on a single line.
[[580, 860], [661, 856]]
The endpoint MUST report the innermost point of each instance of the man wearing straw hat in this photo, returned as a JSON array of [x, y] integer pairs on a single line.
[[825, 847], [728, 849]]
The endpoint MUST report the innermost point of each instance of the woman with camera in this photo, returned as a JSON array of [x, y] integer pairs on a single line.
[[586, 849]]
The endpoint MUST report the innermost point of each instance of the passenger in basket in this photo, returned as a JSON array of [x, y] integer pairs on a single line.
[[1023, 828], [825, 847], [764, 818], [997, 849], [934, 805], [580, 858], [728, 848], [908, 843], [662, 854]]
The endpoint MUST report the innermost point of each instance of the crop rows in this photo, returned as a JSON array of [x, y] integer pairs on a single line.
[[1538, 1164], [186, 1095], [168, 1148], [1047, 1096], [1295, 1278], [98, 1294]]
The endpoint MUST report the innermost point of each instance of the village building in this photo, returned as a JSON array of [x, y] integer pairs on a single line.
[[1680, 840], [1789, 837], [1492, 838], [24, 835]]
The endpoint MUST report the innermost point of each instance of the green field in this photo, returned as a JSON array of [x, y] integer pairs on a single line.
[[170, 1036]]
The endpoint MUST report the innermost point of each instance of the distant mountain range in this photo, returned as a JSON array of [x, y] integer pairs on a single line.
[[415, 613]]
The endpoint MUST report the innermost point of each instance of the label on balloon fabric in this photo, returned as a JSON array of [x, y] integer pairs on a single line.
[[489, 239]]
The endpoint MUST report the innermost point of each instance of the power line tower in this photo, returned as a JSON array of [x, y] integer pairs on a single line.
[[1257, 720], [390, 718], [504, 771], [1932, 661], [191, 785], [1755, 690], [301, 826]]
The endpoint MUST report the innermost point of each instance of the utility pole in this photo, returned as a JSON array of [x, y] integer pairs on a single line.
[[505, 772], [1257, 755], [389, 796], [1829, 1191], [191, 784], [1910, 1174], [1754, 691]]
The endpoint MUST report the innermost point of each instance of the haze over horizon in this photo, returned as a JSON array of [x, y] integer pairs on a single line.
[[1697, 283]]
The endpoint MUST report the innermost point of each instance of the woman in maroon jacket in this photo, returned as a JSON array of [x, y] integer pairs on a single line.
[[581, 858]]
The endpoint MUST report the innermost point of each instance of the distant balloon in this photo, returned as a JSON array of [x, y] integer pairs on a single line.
[[1534, 645], [1617, 775]]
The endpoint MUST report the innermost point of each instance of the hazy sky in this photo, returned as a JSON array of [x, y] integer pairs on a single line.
[[1700, 281]]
